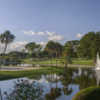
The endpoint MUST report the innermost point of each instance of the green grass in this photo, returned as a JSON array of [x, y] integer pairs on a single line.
[[83, 62], [46, 61], [92, 93], [59, 61], [4, 75]]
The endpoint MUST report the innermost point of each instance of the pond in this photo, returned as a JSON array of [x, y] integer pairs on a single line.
[[68, 83]]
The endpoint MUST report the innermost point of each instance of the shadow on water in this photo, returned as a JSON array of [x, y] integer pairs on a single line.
[[50, 87]]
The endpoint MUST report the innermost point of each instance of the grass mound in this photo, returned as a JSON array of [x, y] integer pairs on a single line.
[[92, 93]]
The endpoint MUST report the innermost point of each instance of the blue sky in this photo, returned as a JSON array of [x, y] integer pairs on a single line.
[[66, 19]]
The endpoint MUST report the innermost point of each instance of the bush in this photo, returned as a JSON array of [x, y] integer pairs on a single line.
[[92, 93]]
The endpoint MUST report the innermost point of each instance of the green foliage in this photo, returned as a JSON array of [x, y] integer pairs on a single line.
[[6, 38], [95, 45], [71, 48], [17, 55], [54, 49], [89, 45], [92, 93], [33, 48]]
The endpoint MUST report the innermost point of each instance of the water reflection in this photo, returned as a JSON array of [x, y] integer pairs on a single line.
[[60, 87], [97, 74], [86, 79]]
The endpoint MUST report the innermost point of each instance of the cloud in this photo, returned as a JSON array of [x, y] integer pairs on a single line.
[[50, 35], [42, 43], [79, 35], [29, 32], [40, 33], [16, 46], [56, 37], [33, 33]]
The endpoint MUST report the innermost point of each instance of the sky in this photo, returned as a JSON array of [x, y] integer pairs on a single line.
[[44, 20]]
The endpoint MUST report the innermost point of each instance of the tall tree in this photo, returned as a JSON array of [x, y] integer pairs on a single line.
[[85, 46], [71, 48], [6, 38], [95, 47], [54, 49], [32, 47]]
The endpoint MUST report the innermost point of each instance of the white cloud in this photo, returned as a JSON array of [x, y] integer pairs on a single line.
[[29, 32], [47, 33], [50, 35], [16, 46], [56, 37], [43, 44], [79, 35], [33, 33], [40, 33]]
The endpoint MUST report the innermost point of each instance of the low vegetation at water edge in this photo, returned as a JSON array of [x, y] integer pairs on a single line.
[[92, 93]]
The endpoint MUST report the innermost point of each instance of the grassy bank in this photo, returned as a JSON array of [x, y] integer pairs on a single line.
[[4, 75], [92, 93]]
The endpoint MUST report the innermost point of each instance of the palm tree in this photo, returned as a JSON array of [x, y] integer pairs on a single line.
[[6, 38]]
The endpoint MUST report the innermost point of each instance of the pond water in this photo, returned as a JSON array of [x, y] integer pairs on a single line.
[[70, 82]]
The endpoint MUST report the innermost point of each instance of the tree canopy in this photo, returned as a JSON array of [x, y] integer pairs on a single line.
[[32, 47], [6, 38], [54, 49]]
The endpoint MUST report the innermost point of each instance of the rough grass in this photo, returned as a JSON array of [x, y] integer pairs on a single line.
[[92, 93]]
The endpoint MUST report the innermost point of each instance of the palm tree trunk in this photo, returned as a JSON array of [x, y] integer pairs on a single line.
[[5, 48]]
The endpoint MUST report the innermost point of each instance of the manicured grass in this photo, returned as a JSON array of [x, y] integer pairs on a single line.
[[76, 61], [29, 73], [45, 61], [83, 62], [92, 93]]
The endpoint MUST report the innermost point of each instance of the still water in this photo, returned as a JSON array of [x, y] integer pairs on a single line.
[[70, 82]]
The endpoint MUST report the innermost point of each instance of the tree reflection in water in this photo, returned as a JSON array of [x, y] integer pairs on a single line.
[[97, 74], [58, 85], [85, 79], [24, 90], [54, 93], [67, 80]]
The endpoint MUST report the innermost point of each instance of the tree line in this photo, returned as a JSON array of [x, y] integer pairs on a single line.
[[86, 47]]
